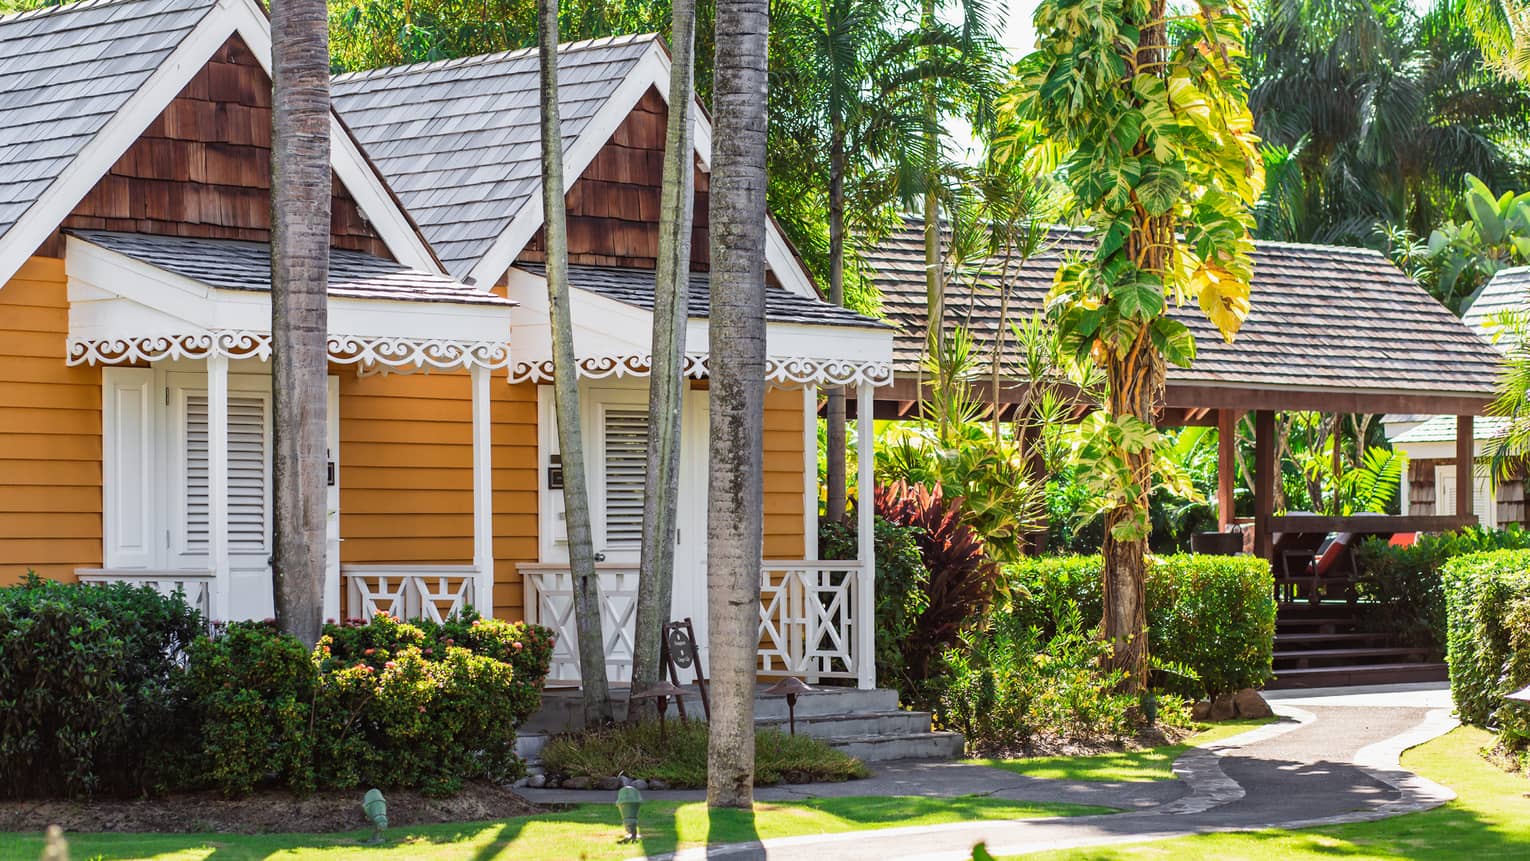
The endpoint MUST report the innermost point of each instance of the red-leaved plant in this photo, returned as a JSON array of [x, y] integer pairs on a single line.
[[963, 581]]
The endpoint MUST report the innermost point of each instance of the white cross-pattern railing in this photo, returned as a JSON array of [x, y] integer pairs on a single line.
[[195, 586], [432, 592], [550, 603], [808, 616]]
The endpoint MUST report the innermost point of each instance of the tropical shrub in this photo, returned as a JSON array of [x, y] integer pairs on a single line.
[[1010, 683], [1487, 598], [902, 581], [1401, 590], [1211, 619], [88, 687], [384, 703], [962, 582]]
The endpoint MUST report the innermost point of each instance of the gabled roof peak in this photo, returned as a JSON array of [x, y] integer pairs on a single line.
[[489, 59]]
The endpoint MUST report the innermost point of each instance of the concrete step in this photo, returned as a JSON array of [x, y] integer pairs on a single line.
[[1357, 658], [1374, 674], [1284, 639], [562, 710], [854, 724], [920, 745]]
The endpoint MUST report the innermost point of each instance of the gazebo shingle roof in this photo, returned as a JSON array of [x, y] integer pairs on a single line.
[[1323, 318]]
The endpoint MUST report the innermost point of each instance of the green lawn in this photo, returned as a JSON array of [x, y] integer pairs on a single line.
[[588, 831], [1154, 763], [1490, 819]]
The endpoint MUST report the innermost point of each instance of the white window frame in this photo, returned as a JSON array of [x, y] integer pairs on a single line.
[[143, 480], [1484, 497]]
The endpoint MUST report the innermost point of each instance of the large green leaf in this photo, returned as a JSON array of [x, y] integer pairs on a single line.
[[1160, 188]]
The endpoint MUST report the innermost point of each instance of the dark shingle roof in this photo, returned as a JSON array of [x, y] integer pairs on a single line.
[[635, 287], [64, 72], [458, 140], [1323, 318], [233, 265], [1509, 290]]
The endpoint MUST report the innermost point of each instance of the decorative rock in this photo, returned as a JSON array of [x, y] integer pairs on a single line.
[[1201, 711], [626, 781], [521, 784], [609, 784], [657, 785], [1222, 708], [536, 781], [578, 783], [640, 784], [1250, 704]]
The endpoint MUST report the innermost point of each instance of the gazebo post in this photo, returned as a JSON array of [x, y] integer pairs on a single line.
[[1264, 481], [1227, 466], [1466, 473]]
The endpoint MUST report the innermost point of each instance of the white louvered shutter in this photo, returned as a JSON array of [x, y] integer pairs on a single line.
[[248, 475], [1484, 501], [624, 441]]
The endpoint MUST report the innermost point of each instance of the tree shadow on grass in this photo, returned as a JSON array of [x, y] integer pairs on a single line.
[[732, 835]]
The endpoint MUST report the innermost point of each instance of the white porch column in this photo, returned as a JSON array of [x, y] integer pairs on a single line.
[[483, 492], [217, 484], [865, 611], [809, 471]]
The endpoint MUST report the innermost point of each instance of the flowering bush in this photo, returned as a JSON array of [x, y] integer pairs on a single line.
[[384, 703]]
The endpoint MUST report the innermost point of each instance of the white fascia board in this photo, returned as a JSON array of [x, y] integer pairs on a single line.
[[120, 297], [349, 165], [97, 156], [651, 71], [801, 340], [603, 327]]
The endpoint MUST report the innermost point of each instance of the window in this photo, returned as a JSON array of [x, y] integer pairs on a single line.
[[156, 493], [1484, 501], [624, 470]]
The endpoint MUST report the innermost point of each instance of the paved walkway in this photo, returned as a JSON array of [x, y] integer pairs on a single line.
[[1333, 758]]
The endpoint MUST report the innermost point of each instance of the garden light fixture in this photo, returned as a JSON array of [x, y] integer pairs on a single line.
[[376, 809], [628, 800], [791, 686]]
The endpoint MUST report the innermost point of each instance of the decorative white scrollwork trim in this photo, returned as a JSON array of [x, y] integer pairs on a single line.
[[389, 352], [792, 369]]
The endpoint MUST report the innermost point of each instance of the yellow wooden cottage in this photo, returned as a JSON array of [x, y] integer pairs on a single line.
[[134, 334]]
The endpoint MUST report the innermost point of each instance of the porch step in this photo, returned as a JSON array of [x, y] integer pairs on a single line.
[[853, 724], [1357, 658], [1333, 623], [1283, 639], [1373, 674], [919, 745]]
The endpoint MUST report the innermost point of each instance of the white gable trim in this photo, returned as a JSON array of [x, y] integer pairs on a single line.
[[227, 18], [651, 71], [123, 310]]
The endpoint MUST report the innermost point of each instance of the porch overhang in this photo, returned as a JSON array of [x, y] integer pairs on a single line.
[[612, 338], [135, 298]]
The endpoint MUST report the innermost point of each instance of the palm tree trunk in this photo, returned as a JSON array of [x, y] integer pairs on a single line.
[[835, 480], [300, 229], [672, 273], [935, 293], [576, 493], [735, 494]]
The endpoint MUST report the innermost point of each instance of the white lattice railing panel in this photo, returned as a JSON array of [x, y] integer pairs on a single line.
[[550, 603], [195, 586], [808, 614], [432, 592]]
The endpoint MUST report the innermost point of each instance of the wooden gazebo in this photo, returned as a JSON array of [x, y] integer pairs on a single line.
[[1334, 330]]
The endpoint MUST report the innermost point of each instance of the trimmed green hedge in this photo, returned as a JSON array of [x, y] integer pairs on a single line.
[[1487, 598], [1214, 615]]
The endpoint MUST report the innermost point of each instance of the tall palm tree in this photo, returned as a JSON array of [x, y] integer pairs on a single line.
[[735, 493], [1374, 115], [666, 385], [300, 211], [576, 494]]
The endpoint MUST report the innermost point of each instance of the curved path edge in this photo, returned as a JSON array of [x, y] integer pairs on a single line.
[[1200, 768]]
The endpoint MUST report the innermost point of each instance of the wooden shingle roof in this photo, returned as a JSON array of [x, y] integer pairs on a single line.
[[1325, 321], [228, 264], [459, 142], [1509, 290], [635, 287], [64, 73]]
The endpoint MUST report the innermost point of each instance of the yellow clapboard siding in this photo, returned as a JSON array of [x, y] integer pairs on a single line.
[[50, 433], [385, 477], [29, 498], [57, 473], [783, 474], [49, 395]]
